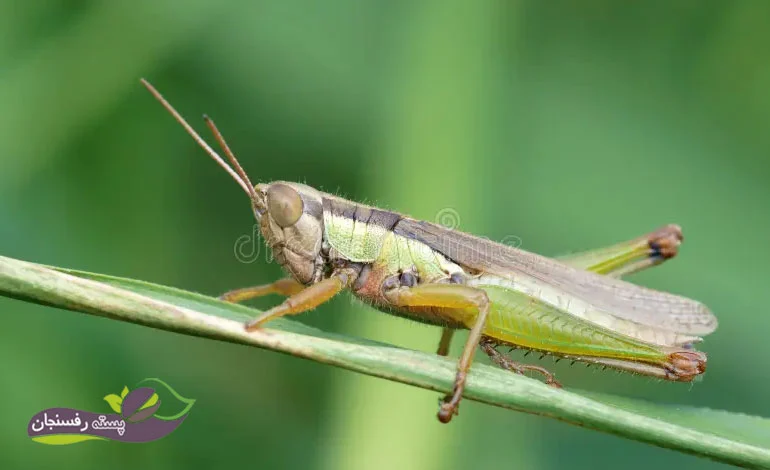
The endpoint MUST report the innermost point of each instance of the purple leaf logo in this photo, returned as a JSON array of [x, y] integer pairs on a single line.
[[135, 418], [139, 404]]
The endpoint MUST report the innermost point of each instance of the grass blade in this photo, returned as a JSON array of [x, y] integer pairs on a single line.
[[727, 437]]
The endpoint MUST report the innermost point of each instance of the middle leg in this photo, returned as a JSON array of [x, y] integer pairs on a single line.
[[455, 300], [445, 341]]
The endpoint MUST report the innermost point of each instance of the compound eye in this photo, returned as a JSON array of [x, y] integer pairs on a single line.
[[284, 205]]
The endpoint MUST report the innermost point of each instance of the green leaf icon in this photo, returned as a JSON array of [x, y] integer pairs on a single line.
[[150, 402], [114, 401], [124, 393], [187, 401]]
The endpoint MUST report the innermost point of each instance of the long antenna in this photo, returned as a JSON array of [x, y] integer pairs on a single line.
[[226, 148], [242, 181]]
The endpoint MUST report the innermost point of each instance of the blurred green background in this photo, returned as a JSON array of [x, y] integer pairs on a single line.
[[570, 125]]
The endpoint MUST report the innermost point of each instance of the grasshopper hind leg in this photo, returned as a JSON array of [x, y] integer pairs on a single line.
[[488, 345]]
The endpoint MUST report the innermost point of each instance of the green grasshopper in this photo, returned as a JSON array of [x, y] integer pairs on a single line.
[[576, 307]]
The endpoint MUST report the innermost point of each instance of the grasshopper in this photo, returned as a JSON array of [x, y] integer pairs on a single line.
[[575, 307]]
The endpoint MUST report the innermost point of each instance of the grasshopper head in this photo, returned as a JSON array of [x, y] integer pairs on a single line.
[[290, 214], [291, 220]]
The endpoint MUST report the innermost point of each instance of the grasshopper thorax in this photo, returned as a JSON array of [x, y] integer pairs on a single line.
[[291, 221]]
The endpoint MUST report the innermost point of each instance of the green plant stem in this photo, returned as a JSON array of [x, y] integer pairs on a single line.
[[43, 285]]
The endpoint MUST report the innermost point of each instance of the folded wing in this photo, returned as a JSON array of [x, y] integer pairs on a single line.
[[659, 310]]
